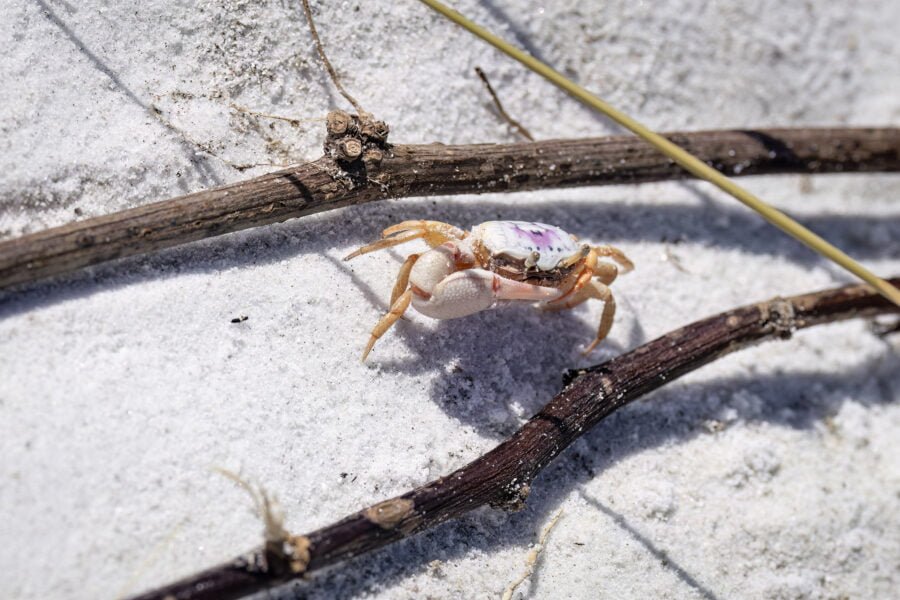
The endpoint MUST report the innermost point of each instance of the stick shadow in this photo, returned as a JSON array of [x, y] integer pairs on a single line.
[[203, 165]]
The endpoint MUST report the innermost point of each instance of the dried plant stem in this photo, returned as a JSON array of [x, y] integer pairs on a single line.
[[532, 558], [499, 106], [331, 72], [430, 170], [502, 477]]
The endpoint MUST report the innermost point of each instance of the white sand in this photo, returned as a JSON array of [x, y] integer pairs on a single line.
[[772, 473]]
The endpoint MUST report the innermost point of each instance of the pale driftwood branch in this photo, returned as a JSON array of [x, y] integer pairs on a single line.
[[435, 169], [502, 477]]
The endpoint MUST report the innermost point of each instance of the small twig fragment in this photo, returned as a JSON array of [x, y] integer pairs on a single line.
[[532, 558], [331, 72], [266, 506], [672, 258], [505, 115], [281, 548], [294, 122]]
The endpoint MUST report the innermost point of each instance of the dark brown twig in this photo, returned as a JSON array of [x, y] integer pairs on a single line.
[[501, 478], [425, 170], [499, 106]]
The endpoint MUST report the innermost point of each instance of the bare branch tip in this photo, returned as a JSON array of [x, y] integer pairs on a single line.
[[320, 48], [499, 106]]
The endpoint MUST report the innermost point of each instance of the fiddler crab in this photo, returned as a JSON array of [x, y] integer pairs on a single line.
[[469, 271]]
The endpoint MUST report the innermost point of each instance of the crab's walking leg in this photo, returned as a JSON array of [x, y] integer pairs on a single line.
[[580, 282], [473, 290], [584, 276], [403, 277], [594, 289], [601, 292], [398, 307], [606, 273], [585, 293], [615, 254], [435, 233], [386, 243]]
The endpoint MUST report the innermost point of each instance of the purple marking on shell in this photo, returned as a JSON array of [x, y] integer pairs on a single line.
[[518, 239]]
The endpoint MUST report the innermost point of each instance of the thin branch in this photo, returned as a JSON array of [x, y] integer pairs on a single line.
[[331, 72], [255, 113], [502, 477], [435, 169], [499, 106]]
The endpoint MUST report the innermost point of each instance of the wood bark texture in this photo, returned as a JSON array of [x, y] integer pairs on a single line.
[[434, 169]]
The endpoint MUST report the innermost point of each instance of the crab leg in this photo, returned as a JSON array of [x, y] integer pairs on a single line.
[[403, 277], [584, 276], [615, 254], [435, 233], [600, 291], [582, 295], [438, 228], [606, 272], [398, 307], [387, 243]]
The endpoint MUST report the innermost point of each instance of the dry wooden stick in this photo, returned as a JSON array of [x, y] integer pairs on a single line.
[[502, 477], [430, 170]]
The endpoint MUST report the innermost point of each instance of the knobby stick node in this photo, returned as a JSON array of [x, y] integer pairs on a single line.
[[353, 137]]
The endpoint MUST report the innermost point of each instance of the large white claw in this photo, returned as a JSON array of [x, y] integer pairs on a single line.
[[468, 292]]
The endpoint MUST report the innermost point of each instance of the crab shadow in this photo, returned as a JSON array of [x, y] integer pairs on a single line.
[[675, 414], [706, 223], [498, 366]]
